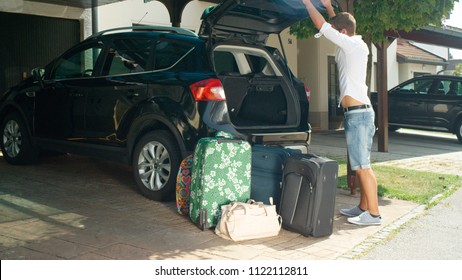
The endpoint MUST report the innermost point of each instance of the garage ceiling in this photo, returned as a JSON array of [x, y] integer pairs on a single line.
[[94, 3], [79, 3]]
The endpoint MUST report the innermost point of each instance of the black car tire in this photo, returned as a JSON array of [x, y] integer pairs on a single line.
[[458, 130], [155, 164], [15, 141]]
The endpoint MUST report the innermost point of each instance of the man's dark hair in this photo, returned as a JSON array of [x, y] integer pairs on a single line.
[[344, 21]]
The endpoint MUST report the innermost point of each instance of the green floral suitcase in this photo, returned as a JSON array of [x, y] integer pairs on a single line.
[[220, 175]]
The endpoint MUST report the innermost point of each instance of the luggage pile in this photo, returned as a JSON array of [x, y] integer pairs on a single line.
[[228, 174]]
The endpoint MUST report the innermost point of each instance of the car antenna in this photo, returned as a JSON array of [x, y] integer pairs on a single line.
[[141, 18]]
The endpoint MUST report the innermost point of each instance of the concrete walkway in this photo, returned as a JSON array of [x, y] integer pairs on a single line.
[[72, 207]]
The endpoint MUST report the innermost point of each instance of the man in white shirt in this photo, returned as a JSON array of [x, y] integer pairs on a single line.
[[351, 57]]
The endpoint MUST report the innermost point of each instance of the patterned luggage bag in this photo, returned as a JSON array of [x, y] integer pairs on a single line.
[[221, 174], [183, 185]]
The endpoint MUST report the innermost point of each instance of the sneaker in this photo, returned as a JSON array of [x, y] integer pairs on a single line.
[[365, 219], [352, 212]]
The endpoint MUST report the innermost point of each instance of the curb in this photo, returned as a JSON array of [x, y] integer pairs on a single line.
[[387, 231]]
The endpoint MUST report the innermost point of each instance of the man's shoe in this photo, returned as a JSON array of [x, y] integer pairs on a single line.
[[352, 212], [365, 219]]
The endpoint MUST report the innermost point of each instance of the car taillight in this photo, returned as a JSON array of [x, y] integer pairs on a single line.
[[208, 90], [308, 93]]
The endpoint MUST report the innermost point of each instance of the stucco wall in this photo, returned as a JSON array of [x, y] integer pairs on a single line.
[[407, 70], [313, 71], [129, 12]]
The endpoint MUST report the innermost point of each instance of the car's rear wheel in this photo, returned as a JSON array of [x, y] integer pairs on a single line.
[[16, 143], [458, 130], [156, 160]]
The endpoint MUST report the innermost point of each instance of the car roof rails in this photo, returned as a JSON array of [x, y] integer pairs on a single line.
[[176, 30]]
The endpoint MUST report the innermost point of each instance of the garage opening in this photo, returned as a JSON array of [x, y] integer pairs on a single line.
[[29, 41]]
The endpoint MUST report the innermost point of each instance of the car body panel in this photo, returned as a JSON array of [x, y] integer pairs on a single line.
[[425, 102]]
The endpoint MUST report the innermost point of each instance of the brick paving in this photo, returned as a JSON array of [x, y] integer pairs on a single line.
[[73, 207]]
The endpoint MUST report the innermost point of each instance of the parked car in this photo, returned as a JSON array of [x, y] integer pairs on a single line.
[[432, 102], [146, 95]]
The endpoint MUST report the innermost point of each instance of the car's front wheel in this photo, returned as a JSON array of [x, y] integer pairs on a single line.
[[16, 143], [156, 160], [458, 130]]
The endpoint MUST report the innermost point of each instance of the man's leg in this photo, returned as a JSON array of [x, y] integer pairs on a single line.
[[368, 186]]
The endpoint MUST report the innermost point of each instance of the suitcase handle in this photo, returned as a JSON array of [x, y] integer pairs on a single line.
[[225, 140]]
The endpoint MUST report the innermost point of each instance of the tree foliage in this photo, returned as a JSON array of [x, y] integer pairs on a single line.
[[458, 70], [373, 17]]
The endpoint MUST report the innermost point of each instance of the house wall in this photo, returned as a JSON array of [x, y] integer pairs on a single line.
[[408, 70], [393, 65], [129, 12], [313, 71], [290, 44]]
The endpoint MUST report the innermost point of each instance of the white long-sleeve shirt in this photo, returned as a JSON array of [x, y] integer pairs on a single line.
[[351, 57]]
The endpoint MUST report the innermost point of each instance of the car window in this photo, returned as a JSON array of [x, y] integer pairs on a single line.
[[169, 54], [420, 86], [440, 87], [225, 62], [127, 55], [260, 65], [452, 88], [80, 63]]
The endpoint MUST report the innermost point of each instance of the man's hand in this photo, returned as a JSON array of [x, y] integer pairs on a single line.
[[326, 3], [329, 8], [315, 16]]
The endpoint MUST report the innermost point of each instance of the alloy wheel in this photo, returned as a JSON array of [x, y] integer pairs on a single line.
[[12, 138], [154, 165]]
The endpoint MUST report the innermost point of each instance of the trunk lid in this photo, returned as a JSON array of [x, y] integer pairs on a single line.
[[250, 20]]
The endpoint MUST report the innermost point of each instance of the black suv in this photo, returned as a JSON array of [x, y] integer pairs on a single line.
[[432, 102], [144, 96]]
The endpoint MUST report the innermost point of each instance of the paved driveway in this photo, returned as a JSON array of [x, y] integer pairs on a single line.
[[72, 207]]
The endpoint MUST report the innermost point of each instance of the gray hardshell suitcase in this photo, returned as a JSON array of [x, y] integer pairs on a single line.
[[308, 194]]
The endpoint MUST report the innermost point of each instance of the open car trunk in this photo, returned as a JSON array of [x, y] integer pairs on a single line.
[[258, 95]]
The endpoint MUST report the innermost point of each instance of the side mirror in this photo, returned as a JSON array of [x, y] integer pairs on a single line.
[[38, 74]]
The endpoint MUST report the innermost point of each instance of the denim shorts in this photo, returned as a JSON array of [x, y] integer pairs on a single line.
[[359, 133]]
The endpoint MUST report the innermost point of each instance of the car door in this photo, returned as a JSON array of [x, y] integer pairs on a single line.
[[60, 103], [443, 104], [118, 87], [407, 102]]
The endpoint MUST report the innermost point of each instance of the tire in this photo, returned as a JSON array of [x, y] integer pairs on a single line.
[[155, 164], [458, 130], [15, 141]]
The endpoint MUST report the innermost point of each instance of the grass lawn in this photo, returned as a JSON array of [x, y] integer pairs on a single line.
[[406, 184]]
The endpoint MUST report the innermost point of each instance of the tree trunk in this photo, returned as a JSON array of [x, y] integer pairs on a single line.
[[346, 6]]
